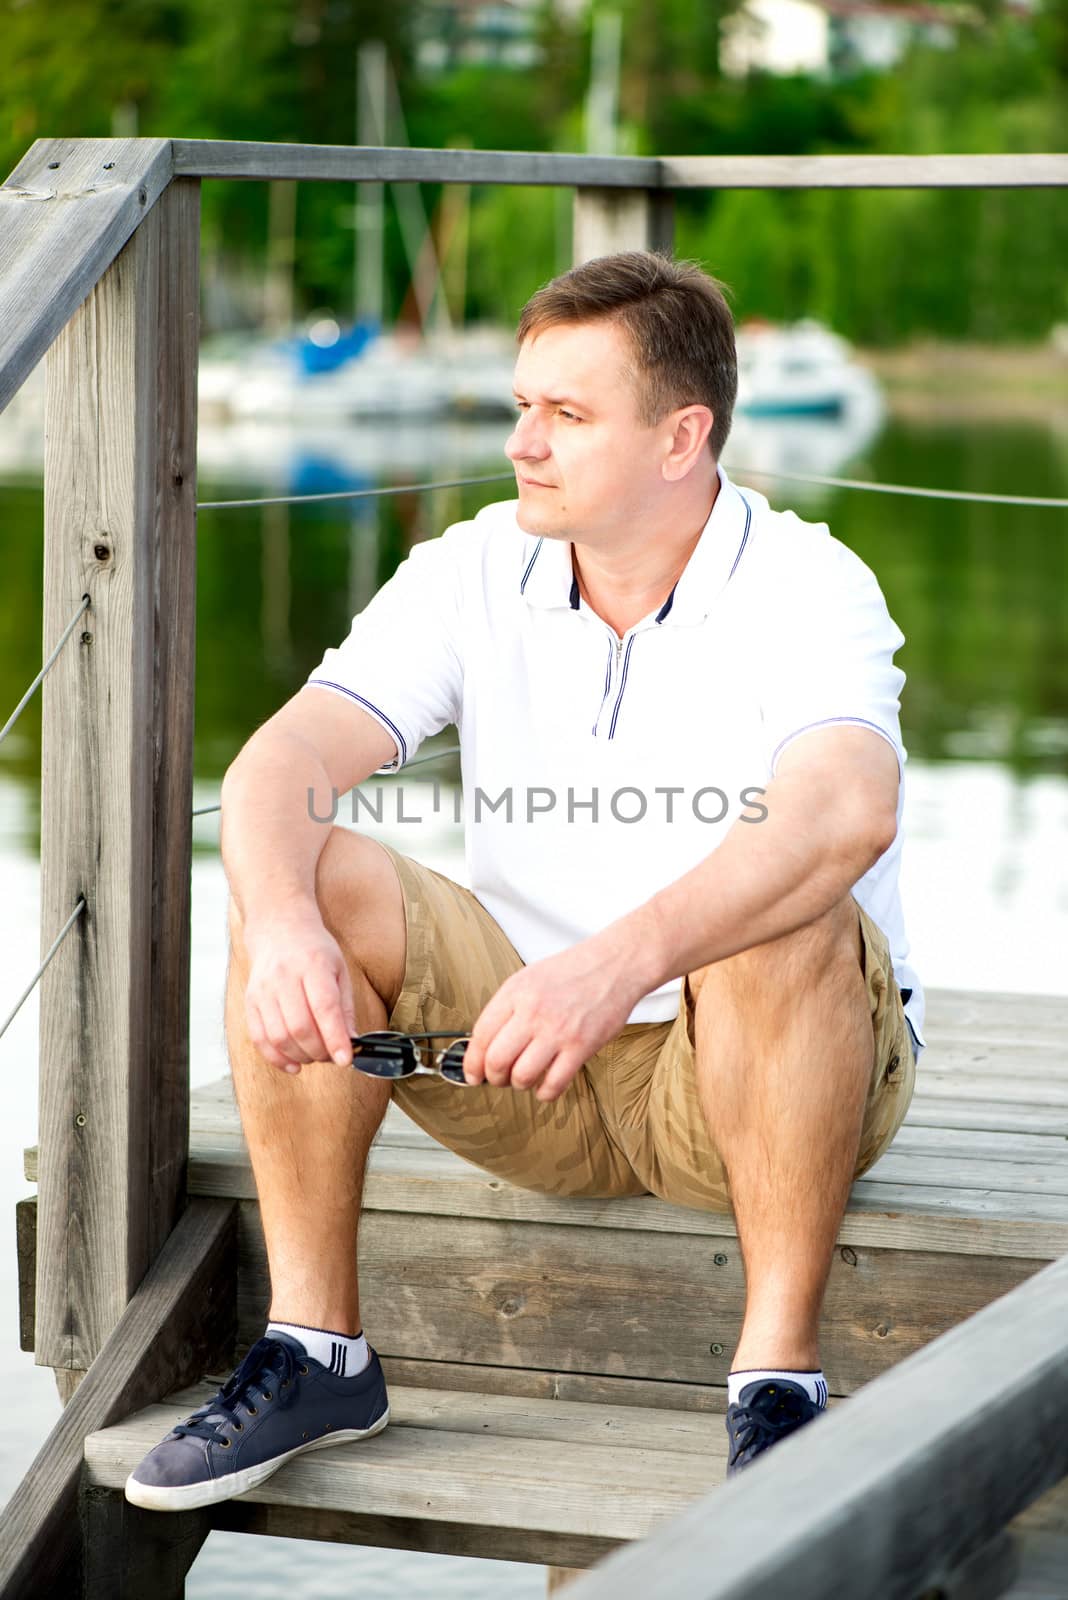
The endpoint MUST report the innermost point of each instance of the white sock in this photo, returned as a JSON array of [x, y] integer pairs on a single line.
[[341, 1354], [813, 1383]]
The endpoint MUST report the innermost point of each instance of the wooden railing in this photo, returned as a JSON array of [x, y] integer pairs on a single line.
[[99, 245]]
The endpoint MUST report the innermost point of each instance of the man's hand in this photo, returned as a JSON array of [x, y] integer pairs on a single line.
[[545, 1022], [298, 1003]]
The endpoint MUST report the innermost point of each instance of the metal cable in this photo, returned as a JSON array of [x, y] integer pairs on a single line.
[[35, 980], [24, 702], [353, 494], [435, 755], [975, 497], [904, 488]]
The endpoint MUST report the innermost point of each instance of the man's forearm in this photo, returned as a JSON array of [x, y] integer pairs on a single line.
[[270, 842], [765, 879]]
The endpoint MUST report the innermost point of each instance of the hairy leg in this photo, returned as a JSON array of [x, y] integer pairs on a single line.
[[309, 1135], [785, 1050]]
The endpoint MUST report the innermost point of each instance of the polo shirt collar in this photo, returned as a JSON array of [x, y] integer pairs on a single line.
[[548, 579]]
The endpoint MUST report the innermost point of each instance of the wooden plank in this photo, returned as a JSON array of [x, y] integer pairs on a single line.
[[632, 1305], [499, 1417], [26, 1247], [972, 1221], [130, 1553], [609, 220], [1007, 1088], [916, 1474], [408, 1533], [222, 158], [977, 1060], [993, 1013], [116, 776], [555, 1385], [864, 172], [179, 1323], [216, 158], [943, 1169], [65, 213], [593, 1488], [978, 1144], [985, 1114]]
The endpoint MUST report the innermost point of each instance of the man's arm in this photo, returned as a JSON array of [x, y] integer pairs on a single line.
[[270, 842], [271, 845], [832, 812]]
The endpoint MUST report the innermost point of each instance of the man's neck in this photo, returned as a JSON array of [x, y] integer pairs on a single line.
[[623, 597]]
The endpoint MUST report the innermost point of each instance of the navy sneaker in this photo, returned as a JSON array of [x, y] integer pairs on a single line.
[[277, 1404], [763, 1414]]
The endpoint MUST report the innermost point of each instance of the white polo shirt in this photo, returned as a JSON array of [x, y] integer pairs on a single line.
[[597, 770]]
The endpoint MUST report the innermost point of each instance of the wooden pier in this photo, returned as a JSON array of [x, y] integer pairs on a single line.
[[943, 1466]]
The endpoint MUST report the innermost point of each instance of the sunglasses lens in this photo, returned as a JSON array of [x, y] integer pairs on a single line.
[[383, 1055], [452, 1062]]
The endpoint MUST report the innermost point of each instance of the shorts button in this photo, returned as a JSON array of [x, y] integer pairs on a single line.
[[894, 1063]]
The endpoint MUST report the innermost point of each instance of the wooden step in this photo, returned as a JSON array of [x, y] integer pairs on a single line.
[[541, 1480], [510, 1476]]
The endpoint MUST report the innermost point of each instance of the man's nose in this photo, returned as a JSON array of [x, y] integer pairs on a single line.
[[526, 441]]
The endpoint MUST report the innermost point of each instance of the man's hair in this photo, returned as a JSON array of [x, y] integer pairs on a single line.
[[678, 322]]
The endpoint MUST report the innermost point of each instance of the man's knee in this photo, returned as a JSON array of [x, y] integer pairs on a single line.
[[817, 948], [359, 898], [361, 903]]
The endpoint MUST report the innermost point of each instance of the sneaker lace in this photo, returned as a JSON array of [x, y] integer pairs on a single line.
[[753, 1426], [268, 1360]]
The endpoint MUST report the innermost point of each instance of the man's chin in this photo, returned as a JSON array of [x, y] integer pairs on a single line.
[[529, 521]]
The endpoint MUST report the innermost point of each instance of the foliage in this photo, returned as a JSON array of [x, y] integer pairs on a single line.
[[879, 265]]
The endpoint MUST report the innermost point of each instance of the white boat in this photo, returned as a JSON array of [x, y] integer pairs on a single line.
[[799, 369]]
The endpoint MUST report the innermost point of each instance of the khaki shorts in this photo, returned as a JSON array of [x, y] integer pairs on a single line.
[[630, 1122]]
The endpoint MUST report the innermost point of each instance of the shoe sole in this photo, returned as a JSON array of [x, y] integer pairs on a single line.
[[191, 1496]]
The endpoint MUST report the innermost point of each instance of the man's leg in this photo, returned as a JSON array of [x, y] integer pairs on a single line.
[[309, 1134], [784, 1057]]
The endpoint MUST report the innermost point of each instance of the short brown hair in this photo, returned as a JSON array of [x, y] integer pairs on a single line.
[[678, 321]]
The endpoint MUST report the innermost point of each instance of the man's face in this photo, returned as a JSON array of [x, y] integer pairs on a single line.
[[584, 463]]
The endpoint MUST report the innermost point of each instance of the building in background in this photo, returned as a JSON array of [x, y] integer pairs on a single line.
[[830, 38]]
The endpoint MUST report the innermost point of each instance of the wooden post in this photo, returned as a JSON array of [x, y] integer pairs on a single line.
[[179, 1324], [608, 220], [120, 469]]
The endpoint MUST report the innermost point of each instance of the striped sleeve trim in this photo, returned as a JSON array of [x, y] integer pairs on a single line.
[[387, 723]]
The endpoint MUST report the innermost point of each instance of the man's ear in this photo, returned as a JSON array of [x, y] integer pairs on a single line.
[[687, 441]]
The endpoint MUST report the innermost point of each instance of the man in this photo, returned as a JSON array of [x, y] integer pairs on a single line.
[[681, 964]]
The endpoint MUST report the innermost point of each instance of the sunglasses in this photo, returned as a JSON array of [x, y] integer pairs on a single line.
[[396, 1055]]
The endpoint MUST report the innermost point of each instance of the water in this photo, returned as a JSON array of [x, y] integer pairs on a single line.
[[980, 593]]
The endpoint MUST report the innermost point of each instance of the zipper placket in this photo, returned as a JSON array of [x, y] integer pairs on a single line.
[[613, 676]]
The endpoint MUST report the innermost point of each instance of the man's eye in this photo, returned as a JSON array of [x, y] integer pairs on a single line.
[[570, 415]]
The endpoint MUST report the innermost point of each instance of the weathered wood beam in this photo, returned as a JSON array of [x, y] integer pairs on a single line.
[[129, 1553], [891, 1493], [65, 213], [116, 781], [609, 220], [179, 1324], [222, 158], [218, 158], [863, 172]]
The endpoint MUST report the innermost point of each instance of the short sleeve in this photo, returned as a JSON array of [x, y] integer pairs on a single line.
[[832, 655], [402, 661]]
